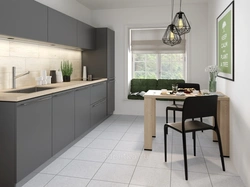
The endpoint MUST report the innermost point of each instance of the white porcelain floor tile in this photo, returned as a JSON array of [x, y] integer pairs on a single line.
[[214, 166], [151, 177], [96, 155], [194, 179], [115, 173], [40, 180], [129, 146], [226, 181], [84, 142], [207, 142], [93, 134], [56, 166], [212, 152], [133, 137], [111, 135], [72, 152], [123, 157], [178, 150], [126, 118], [195, 164], [95, 183], [61, 181], [136, 129], [117, 128], [103, 144], [154, 160], [102, 127], [81, 169]]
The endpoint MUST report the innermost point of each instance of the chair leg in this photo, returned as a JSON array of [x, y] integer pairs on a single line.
[[201, 121], [165, 141], [220, 147], [174, 115], [194, 142], [166, 115], [185, 154]]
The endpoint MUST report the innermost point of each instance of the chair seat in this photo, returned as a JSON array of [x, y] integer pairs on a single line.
[[177, 107], [190, 126]]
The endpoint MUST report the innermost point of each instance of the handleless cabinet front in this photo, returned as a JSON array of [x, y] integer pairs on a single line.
[[82, 110], [63, 120], [33, 134]]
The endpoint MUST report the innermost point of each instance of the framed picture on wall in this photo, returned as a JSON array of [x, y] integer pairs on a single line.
[[225, 42]]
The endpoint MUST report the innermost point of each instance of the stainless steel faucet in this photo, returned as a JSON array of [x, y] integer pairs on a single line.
[[14, 76]]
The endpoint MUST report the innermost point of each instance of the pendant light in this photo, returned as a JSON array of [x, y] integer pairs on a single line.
[[181, 22], [171, 36]]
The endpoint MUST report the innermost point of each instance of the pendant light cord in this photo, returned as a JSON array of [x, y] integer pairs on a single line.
[[180, 5], [172, 10]]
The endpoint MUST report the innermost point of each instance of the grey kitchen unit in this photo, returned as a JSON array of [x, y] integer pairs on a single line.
[[62, 29], [25, 138], [62, 120], [34, 130], [82, 110], [32, 22], [98, 103], [29, 19], [101, 62]]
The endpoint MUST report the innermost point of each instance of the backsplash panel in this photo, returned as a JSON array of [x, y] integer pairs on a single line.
[[34, 58]]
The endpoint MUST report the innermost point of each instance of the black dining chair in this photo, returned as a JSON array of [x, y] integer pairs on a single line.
[[179, 106], [195, 107]]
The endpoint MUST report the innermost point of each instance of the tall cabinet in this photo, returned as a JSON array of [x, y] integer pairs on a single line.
[[100, 63]]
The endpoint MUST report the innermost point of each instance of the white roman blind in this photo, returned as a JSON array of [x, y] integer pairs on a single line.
[[150, 40]]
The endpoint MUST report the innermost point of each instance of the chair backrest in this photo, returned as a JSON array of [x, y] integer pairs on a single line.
[[200, 106], [189, 85]]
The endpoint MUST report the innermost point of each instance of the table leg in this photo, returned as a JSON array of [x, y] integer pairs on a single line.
[[149, 122], [223, 123]]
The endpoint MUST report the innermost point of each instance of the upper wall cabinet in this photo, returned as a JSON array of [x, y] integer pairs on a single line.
[[85, 36], [62, 29], [9, 12], [32, 22]]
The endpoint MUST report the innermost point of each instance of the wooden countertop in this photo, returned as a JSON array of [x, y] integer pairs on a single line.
[[57, 87]]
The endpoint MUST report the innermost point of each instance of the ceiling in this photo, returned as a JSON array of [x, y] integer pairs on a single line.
[[117, 4]]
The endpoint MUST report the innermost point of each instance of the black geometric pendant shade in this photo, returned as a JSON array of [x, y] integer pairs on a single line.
[[181, 23], [171, 36]]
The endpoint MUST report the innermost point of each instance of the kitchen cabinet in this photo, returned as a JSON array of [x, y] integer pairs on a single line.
[[32, 20], [9, 12], [25, 138], [63, 120], [82, 110], [98, 103], [33, 134], [62, 29], [85, 36], [101, 63]]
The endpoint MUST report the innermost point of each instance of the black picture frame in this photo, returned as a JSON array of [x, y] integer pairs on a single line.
[[225, 42]]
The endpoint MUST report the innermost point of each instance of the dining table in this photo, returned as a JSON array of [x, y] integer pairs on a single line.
[[150, 98]]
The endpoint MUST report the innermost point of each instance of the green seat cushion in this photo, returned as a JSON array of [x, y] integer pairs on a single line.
[[138, 85]]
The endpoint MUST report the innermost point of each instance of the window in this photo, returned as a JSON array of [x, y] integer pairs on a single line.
[[151, 59]]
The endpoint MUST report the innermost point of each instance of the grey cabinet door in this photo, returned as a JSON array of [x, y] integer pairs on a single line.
[[98, 112], [85, 36], [62, 29], [98, 92], [9, 12], [110, 54], [33, 135], [32, 21], [82, 110], [110, 97], [63, 120]]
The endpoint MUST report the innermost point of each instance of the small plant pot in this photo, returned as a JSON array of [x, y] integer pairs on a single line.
[[66, 78]]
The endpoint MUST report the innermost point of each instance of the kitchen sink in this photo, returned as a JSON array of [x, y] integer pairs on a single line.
[[30, 90]]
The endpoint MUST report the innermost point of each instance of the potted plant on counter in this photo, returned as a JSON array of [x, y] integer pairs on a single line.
[[67, 69]]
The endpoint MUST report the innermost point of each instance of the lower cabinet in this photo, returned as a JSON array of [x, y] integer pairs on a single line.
[[62, 120], [98, 112], [33, 140], [82, 110]]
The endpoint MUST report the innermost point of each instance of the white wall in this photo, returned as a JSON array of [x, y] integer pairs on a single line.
[[237, 90], [71, 8], [121, 19]]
